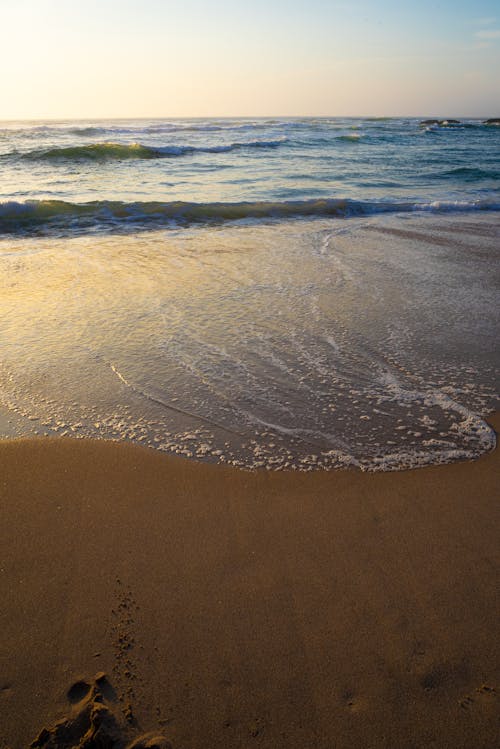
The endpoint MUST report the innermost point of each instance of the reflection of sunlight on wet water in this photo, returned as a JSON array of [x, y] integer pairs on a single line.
[[311, 343]]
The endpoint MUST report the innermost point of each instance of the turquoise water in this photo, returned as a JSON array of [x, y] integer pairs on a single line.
[[80, 176], [267, 293]]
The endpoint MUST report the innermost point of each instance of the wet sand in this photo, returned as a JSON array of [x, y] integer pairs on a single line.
[[238, 609], [369, 341]]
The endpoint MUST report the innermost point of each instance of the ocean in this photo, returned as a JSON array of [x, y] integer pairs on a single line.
[[271, 293]]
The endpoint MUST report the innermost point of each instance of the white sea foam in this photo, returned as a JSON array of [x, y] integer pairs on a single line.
[[290, 299], [99, 215]]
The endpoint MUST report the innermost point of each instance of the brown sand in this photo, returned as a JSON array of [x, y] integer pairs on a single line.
[[235, 609]]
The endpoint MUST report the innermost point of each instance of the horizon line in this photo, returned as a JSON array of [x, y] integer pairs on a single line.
[[250, 116]]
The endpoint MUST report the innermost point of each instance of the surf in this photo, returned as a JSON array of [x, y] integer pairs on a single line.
[[124, 151], [46, 215]]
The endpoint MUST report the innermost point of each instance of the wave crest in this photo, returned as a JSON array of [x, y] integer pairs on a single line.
[[123, 151], [41, 216]]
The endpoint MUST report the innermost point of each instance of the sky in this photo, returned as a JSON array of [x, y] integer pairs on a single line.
[[193, 58]]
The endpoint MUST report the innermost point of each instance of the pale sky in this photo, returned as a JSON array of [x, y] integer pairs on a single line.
[[168, 58]]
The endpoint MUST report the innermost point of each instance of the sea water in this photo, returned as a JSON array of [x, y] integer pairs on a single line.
[[286, 293]]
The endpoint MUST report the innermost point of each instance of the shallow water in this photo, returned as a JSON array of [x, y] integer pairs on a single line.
[[315, 342], [273, 293]]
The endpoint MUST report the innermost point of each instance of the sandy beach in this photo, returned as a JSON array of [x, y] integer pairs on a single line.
[[249, 375], [229, 608]]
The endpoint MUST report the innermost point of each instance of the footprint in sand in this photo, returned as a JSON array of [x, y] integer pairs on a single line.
[[482, 695], [78, 691], [94, 722]]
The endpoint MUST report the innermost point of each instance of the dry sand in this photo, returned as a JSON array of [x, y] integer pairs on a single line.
[[235, 609]]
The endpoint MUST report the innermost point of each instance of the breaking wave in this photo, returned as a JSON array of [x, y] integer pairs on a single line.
[[40, 216], [122, 151]]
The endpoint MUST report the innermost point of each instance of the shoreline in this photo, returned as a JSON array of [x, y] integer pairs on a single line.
[[298, 344], [11, 422], [234, 608]]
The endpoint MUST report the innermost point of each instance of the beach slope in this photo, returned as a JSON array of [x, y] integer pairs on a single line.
[[238, 609]]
